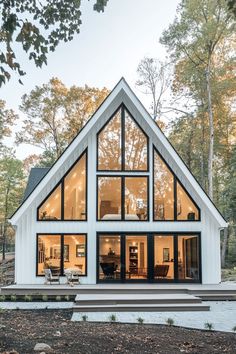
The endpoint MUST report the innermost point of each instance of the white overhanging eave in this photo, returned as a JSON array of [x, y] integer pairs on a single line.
[[122, 85]]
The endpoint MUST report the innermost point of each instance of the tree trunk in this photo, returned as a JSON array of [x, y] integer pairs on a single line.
[[211, 133], [224, 246]]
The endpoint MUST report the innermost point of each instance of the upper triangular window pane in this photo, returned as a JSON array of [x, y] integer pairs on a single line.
[[122, 145], [136, 146], [109, 145], [51, 208], [163, 190], [75, 191], [186, 208]]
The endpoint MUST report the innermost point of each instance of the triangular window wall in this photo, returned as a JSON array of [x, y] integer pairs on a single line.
[[122, 144], [171, 200], [68, 200]]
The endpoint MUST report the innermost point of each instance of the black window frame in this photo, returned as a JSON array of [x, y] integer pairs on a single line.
[[150, 256], [62, 274], [122, 177], [123, 108], [62, 183], [176, 180]]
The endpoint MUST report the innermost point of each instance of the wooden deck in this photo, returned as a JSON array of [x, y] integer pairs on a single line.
[[205, 292]]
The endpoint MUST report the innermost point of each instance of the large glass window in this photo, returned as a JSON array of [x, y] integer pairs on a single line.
[[136, 146], [109, 198], [171, 200], [49, 254], [122, 145], [163, 257], [188, 258], [75, 253], [61, 253], [122, 198], [136, 198], [73, 190], [51, 208], [109, 257], [186, 209], [136, 257], [163, 190], [109, 145]]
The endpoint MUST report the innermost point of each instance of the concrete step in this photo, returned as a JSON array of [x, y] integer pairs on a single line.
[[216, 297], [142, 308], [116, 299]]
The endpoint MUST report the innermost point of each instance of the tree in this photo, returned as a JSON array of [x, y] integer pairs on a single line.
[[12, 182], [38, 27], [55, 114], [194, 37], [7, 120], [154, 78]]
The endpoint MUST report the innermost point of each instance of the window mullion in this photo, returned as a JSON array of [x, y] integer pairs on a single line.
[[62, 256], [123, 139], [122, 198], [175, 198]]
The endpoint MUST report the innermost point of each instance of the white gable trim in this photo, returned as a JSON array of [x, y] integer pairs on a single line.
[[122, 85]]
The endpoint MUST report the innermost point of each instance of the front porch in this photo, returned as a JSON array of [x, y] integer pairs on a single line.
[[223, 291]]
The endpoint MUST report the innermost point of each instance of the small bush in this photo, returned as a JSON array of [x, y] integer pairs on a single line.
[[58, 298], [140, 320], [209, 326], [113, 318], [170, 321], [67, 297], [45, 298], [234, 329], [2, 297], [28, 298], [84, 318], [17, 308], [13, 297]]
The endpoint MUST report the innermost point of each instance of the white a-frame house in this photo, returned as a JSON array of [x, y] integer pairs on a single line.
[[119, 205]]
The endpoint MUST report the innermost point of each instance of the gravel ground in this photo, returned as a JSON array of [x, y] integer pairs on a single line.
[[22, 330]]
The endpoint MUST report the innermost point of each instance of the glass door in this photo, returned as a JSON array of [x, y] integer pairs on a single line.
[[136, 257], [164, 265], [109, 258]]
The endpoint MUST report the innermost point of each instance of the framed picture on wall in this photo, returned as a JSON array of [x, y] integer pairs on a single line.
[[66, 253], [166, 254], [80, 250]]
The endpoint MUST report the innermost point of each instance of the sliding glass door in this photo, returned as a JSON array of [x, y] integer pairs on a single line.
[[125, 257]]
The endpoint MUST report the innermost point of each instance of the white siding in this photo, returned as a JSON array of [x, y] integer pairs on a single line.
[[28, 226]]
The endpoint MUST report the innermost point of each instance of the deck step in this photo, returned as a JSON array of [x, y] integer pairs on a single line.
[[216, 297], [142, 308], [116, 299]]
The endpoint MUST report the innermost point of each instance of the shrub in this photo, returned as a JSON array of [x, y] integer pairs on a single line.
[[140, 320], [58, 298], [84, 318], [209, 326], [113, 318], [67, 297], [2, 297], [45, 298], [170, 321], [234, 329], [28, 298], [13, 297]]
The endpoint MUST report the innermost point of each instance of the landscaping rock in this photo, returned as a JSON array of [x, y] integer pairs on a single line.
[[57, 334], [42, 347]]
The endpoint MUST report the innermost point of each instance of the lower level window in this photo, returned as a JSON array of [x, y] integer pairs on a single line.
[[61, 253]]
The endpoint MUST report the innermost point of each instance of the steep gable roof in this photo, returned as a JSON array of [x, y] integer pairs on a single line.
[[121, 86], [35, 176]]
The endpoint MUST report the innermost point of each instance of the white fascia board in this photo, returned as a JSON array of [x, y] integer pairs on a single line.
[[122, 85], [164, 141], [14, 219]]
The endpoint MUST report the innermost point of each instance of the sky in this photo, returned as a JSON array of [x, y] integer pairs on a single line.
[[110, 45]]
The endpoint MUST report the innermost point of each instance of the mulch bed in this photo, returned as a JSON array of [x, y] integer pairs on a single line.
[[23, 329]]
